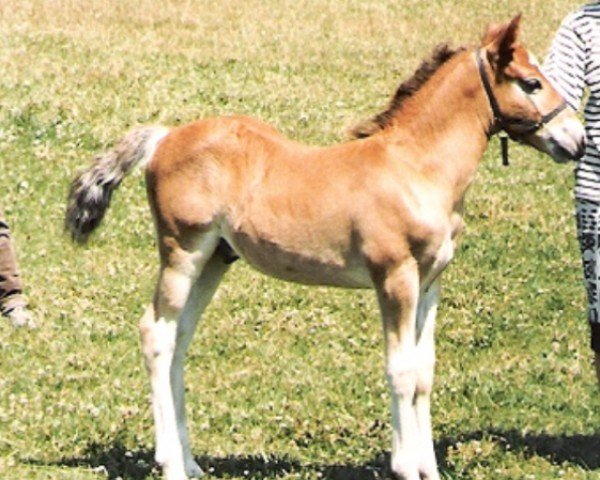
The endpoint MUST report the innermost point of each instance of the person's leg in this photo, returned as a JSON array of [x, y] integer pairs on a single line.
[[597, 363], [12, 302], [596, 347], [588, 233]]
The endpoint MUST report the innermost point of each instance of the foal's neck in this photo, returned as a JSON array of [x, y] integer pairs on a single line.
[[447, 122]]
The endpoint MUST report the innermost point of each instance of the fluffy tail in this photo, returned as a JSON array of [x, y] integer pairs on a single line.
[[92, 189]]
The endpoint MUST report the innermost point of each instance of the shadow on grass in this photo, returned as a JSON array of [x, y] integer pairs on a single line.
[[116, 461], [581, 450]]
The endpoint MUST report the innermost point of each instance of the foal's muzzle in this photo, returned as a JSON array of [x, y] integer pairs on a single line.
[[566, 139]]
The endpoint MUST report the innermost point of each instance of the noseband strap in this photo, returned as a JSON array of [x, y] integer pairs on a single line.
[[505, 123], [549, 116]]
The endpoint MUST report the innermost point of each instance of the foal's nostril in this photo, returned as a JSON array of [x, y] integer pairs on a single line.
[[574, 134], [580, 150]]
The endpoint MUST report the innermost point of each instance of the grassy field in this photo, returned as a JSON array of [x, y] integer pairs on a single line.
[[283, 381]]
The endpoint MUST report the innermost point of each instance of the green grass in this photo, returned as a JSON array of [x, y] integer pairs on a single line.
[[283, 381]]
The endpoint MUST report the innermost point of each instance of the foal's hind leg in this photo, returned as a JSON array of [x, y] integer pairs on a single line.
[[199, 298], [160, 332]]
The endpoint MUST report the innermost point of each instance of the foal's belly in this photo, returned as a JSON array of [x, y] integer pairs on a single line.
[[323, 266]]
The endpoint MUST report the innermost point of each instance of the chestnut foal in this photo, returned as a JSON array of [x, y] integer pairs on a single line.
[[382, 211]]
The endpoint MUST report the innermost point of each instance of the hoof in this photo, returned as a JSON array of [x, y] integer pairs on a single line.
[[193, 470], [174, 474], [404, 472]]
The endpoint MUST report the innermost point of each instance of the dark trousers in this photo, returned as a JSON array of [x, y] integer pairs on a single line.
[[588, 233], [11, 284]]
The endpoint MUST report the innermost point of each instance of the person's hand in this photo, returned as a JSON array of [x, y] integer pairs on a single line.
[[597, 363]]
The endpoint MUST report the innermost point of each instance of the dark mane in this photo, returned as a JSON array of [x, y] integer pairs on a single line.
[[441, 54]]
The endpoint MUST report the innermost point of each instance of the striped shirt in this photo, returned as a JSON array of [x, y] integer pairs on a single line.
[[573, 66]]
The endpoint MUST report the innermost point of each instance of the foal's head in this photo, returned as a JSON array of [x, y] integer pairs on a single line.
[[522, 99]]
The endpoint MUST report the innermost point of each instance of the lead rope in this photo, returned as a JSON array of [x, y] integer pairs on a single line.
[[504, 148]]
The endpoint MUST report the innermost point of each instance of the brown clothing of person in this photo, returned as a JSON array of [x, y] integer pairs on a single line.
[[11, 283]]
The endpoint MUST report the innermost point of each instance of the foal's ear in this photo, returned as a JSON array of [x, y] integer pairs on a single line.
[[499, 40]]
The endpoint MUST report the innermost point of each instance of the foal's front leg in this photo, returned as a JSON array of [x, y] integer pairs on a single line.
[[427, 310], [398, 295]]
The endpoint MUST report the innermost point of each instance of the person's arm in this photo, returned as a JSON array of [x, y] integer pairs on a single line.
[[565, 62]]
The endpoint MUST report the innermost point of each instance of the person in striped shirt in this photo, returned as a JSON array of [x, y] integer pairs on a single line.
[[573, 66]]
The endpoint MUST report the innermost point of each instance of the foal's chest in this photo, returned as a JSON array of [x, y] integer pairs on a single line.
[[441, 251]]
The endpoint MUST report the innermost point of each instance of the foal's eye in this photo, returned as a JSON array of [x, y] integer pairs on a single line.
[[530, 85]]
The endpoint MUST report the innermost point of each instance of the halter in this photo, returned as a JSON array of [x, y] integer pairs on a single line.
[[506, 124]]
